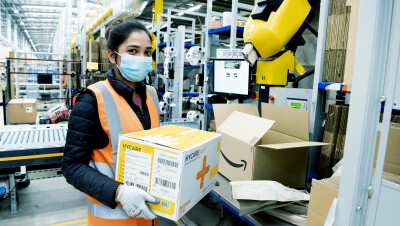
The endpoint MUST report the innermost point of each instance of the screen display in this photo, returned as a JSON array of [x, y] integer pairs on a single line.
[[45, 78]]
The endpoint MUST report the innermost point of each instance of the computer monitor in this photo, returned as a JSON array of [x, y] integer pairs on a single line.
[[231, 77], [45, 78]]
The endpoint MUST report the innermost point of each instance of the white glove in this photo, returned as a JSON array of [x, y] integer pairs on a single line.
[[133, 200]]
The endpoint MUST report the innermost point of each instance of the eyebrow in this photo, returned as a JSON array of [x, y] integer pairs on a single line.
[[135, 46]]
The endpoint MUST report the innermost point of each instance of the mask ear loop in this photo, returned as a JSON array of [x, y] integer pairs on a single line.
[[115, 58]]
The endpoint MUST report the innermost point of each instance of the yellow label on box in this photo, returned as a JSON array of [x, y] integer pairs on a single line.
[[126, 162], [164, 206], [213, 172], [178, 137]]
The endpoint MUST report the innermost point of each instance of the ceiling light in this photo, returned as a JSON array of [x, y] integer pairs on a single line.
[[194, 8], [40, 28], [26, 31], [91, 4], [43, 13], [47, 19], [21, 23], [144, 4], [41, 7], [16, 11], [53, 1], [191, 9]]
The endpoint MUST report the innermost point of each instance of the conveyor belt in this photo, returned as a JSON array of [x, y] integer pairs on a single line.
[[24, 145]]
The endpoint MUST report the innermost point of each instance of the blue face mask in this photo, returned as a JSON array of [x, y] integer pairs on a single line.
[[134, 68]]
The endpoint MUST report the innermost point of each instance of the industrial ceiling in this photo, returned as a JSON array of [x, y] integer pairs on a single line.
[[39, 19]]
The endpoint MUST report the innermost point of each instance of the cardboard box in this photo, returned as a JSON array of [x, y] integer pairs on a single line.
[[392, 158], [271, 147], [173, 163], [351, 41], [322, 194], [21, 111]]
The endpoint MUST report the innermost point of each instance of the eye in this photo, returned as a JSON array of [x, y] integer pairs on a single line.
[[132, 51], [147, 53]]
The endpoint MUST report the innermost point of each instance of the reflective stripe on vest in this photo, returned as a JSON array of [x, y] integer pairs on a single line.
[[112, 117], [114, 113]]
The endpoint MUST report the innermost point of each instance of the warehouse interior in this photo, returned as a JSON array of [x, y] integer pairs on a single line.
[[267, 112]]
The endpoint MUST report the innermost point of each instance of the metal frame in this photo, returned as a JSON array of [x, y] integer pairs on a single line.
[[316, 112], [374, 78], [179, 43], [13, 194]]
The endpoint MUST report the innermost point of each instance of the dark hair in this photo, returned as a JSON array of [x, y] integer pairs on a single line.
[[118, 31]]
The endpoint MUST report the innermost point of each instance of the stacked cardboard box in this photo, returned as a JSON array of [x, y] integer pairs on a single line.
[[332, 126], [336, 41], [395, 118], [92, 51], [351, 41], [212, 126], [104, 63], [341, 138]]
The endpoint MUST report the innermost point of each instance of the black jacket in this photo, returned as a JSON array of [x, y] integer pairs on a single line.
[[85, 134]]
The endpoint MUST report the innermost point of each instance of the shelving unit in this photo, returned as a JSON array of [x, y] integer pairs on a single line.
[[226, 31], [176, 38], [187, 45], [334, 86]]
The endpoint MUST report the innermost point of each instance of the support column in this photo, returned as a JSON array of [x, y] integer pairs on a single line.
[[8, 22], [13, 194]]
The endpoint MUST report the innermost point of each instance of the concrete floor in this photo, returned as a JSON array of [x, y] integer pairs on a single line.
[[54, 202]]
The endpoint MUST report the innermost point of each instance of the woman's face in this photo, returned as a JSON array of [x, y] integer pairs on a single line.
[[137, 44]]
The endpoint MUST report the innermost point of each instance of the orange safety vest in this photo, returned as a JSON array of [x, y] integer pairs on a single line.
[[116, 117]]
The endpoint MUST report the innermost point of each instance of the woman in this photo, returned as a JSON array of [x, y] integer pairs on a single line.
[[120, 104]]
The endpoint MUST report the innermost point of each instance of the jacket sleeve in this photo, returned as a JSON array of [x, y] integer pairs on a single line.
[[84, 134]]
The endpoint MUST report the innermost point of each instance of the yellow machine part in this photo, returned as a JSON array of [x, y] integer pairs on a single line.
[[275, 72], [269, 37]]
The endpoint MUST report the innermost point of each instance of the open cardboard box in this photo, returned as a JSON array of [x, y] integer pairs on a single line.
[[271, 147]]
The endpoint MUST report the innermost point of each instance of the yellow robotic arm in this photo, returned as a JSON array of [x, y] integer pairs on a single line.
[[268, 31]]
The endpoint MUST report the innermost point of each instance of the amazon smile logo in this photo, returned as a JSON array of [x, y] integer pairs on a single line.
[[236, 165]]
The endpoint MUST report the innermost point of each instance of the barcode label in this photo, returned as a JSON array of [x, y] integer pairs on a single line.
[[168, 162], [143, 187], [144, 173], [165, 183], [164, 204]]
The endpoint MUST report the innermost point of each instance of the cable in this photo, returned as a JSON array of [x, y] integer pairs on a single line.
[[11, 190], [299, 78]]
